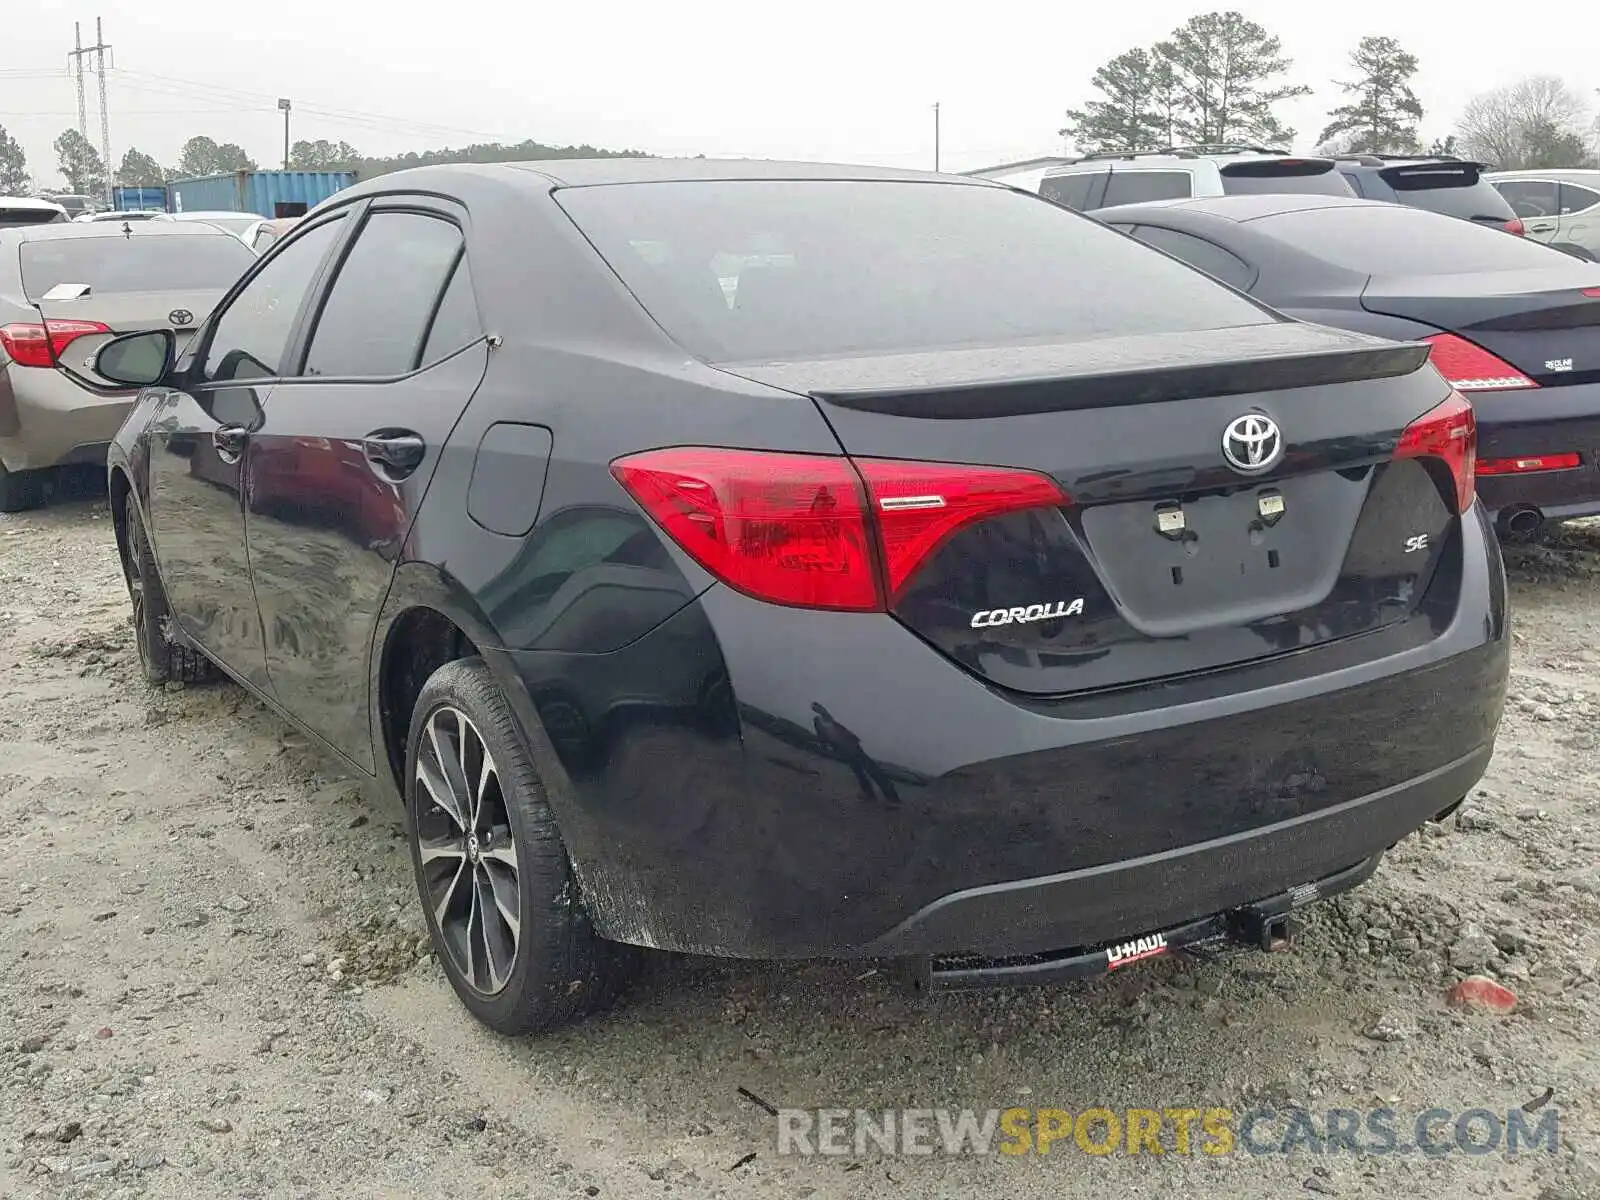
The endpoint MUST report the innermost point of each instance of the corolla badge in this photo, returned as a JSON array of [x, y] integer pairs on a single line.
[[181, 316], [1252, 443]]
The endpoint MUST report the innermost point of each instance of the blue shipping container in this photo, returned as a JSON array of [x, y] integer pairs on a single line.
[[139, 199], [266, 193]]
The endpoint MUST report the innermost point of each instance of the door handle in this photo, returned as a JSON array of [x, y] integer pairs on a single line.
[[230, 441], [398, 452], [1546, 227]]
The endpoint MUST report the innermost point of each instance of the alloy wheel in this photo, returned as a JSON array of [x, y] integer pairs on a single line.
[[467, 850]]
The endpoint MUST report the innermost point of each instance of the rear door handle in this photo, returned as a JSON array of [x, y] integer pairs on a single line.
[[230, 441], [1542, 228], [397, 452]]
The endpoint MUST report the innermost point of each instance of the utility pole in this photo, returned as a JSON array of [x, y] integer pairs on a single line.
[[77, 56], [284, 106], [936, 135]]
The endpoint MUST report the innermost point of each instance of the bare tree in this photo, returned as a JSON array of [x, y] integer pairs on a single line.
[[1539, 121]]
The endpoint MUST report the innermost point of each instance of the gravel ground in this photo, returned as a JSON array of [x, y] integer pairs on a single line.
[[214, 980]]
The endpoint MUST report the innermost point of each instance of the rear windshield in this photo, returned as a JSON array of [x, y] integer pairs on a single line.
[[1276, 176], [1456, 190], [753, 270], [1387, 239], [134, 264], [13, 217]]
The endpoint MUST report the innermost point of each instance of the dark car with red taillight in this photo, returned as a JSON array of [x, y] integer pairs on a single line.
[[781, 560], [1511, 323]]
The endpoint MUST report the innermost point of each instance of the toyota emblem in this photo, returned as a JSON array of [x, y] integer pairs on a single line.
[[1252, 443], [180, 316]]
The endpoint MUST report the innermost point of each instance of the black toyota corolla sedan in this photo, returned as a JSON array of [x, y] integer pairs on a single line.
[[773, 561], [1514, 324]]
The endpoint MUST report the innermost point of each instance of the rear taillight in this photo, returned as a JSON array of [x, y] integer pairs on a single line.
[[815, 531], [1468, 367], [1516, 226], [1529, 464], [1450, 432], [43, 345]]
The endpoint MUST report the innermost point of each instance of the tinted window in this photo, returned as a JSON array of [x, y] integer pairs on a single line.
[[1575, 199], [10, 218], [1531, 197], [1138, 187], [859, 266], [253, 333], [383, 296], [1386, 239], [134, 264], [1276, 176], [1197, 252], [1071, 190], [1454, 190], [456, 323]]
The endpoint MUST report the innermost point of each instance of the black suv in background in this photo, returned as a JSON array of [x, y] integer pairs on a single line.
[[1452, 186]]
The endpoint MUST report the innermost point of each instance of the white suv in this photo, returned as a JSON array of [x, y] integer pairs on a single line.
[[1179, 172]]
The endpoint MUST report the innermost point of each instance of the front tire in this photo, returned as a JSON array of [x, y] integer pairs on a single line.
[[496, 886], [161, 659]]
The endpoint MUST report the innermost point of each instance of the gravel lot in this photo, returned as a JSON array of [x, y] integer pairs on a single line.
[[214, 982]]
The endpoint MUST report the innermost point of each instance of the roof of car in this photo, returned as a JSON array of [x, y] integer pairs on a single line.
[[1248, 207], [29, 203], [1588, 174], [1382, 162]]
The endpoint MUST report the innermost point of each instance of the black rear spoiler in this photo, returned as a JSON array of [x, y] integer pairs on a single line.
[[1137, 385]]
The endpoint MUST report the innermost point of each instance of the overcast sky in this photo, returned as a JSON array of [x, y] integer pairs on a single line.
[[828, 79]]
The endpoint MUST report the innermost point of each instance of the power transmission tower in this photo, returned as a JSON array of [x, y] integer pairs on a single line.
[[77, 67], [105, 115], [77, 56]]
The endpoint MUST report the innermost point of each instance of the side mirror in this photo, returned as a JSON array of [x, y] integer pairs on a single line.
[[137, 359]]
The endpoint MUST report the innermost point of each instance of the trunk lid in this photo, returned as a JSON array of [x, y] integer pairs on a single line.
[[1168, 560], [1544, 322], [125, 312]]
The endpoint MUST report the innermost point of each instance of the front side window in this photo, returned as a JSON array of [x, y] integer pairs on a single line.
[[384, 296], [250, 338]]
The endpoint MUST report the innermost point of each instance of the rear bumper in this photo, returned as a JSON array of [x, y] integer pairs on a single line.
[[1555, 420], [763, 783], [46, 420]]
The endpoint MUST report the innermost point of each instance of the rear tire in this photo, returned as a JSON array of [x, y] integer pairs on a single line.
[[162, 659], [497, 889], [20, 490]]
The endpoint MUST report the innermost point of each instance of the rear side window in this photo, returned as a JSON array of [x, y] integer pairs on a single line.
[[1388, 239], [1454, 189], [1197, 252], [12, 218], [1283, 175], [1575, 199], [1071, 190], [135, 263], [1140, 187], [456, 323], [1354, 180], [377, 312], [827, 267], [1531, 197]]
